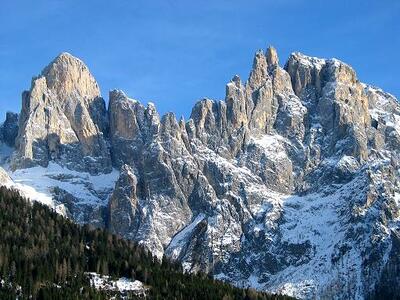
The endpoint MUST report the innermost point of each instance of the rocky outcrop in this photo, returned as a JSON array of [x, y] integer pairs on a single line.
[[336, 101], [63, 118], [155, 148], [131, 127], [123, 204], [5, 179]]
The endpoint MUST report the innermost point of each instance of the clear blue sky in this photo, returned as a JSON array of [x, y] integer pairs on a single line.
[[175, 52]]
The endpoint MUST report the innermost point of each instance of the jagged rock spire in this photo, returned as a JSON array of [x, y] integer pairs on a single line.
[[259, 71], [272, 56]]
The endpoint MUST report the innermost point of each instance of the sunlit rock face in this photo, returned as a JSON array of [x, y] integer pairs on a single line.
[[290, 184], [63, 119]]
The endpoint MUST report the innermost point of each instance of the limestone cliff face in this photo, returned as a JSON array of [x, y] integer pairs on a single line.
[[63, 118], [132, 125], [155, 148], [289, 184], [123, 204], [336, 100]]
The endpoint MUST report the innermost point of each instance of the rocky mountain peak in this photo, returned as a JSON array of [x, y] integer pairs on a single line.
[[341, 72], [63, 118], [67, 76], [118, 95], [236, 80], [259, 71], [272, 56], [315, 72], [304, 71]]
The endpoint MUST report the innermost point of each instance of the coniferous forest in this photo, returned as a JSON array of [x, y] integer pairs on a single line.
[[45, 256]]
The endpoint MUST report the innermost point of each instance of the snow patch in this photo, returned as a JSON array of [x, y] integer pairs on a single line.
[[38, 184], [178, 241], [272, 144], [309, 61], [122, 284]]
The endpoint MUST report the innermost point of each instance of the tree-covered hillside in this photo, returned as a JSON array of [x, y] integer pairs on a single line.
[[46, 256]]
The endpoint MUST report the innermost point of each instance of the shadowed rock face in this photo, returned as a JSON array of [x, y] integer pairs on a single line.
[[9, 129], [290, 184]]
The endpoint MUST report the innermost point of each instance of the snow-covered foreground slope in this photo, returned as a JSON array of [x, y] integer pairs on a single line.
[[291, 184]]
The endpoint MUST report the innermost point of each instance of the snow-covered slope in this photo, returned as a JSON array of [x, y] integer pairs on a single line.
[[77, 195]]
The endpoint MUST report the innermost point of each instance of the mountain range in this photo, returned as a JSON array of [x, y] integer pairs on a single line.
[[289, 185]]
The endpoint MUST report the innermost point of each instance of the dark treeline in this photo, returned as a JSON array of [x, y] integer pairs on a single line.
[[45, 256]]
